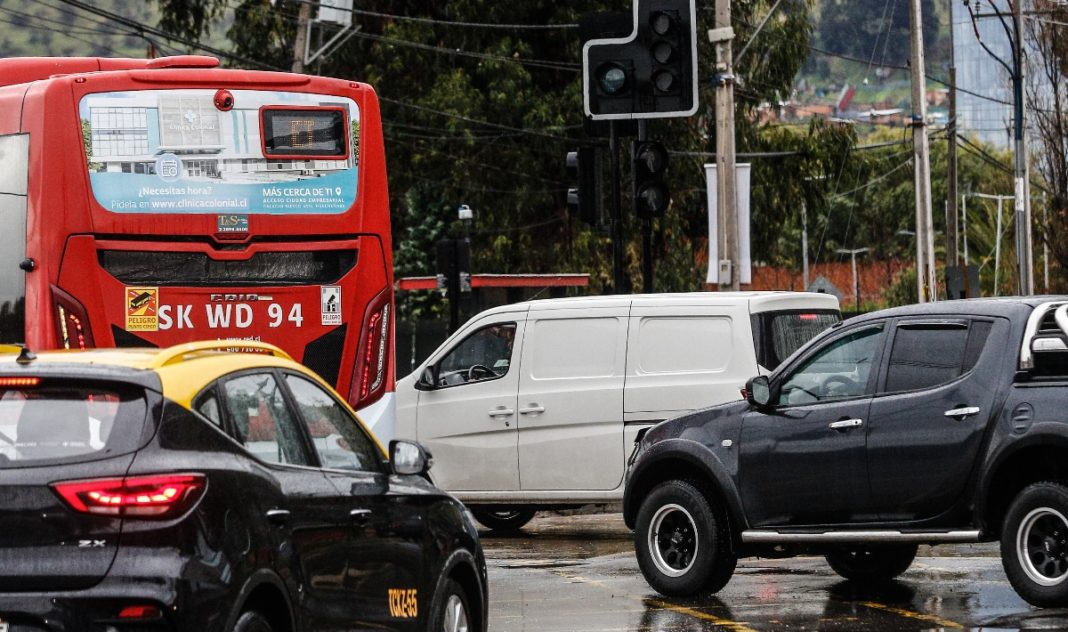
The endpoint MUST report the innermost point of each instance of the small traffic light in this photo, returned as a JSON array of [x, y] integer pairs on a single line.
[[650, 162], [650, 72], [583, 167]]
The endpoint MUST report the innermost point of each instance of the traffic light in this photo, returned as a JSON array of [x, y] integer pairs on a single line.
[[650, 161], [650, 72], [583, 167]]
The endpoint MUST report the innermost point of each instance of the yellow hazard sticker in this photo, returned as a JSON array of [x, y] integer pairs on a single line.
[[403, 603], [142, 309]]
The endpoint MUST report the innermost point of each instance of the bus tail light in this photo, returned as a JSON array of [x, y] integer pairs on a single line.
[[153, 496], [372, 364], [72, 323]]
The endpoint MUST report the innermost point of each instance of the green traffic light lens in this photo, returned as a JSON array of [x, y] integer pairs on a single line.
[[612, 78], [664, 81]]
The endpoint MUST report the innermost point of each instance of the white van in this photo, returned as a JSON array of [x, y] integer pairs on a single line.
[[537, 404]]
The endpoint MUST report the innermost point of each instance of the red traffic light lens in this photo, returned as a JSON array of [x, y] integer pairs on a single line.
[[662, 23]]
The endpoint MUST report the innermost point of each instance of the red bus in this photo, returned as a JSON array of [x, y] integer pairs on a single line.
[[152, 202]]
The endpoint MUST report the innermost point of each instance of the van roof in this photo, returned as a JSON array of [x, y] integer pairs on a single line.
[[756, 301]]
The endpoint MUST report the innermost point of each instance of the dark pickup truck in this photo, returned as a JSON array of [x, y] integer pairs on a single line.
[[945, 422]]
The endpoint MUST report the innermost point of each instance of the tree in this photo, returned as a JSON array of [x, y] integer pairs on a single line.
[[1047, 103]]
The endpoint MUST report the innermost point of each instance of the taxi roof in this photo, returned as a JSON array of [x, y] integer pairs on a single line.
[[182, 369]]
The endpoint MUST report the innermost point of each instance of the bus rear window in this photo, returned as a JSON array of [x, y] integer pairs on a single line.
[[67, 423], [196, 269], [779, 334], [176, 152]]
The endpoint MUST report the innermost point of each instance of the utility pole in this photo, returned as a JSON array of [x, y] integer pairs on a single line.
[[926, 281], [1021, 201], [952, 258], [299, 42], [856, 280], [804, 246], [721, 37]]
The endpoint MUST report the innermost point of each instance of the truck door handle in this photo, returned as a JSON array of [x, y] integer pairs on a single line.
[[502, 412], [961, 413], [360, 516], [843, 425], [278, 516], [533, 409]]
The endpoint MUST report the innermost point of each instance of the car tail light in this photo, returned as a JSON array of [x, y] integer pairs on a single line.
[[372, 363], [21, 382], [142, 611], [72, 323], [153, 496]]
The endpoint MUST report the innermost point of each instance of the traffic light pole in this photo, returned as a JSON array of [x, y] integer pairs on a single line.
[[647, 229], [616, 211]]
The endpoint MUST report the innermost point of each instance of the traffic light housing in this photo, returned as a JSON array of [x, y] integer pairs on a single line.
[[650, 73], [651, 195], [584, 200]]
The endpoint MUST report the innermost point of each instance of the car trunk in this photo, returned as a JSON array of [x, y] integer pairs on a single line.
[[54, 431]]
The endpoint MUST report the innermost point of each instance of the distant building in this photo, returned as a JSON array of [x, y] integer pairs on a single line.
[[984, 97]]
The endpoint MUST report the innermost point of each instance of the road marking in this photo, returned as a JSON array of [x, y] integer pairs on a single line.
[[697, 614], [945, 623], [725, 623]]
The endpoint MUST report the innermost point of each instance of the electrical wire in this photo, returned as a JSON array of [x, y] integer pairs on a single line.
[[437, 22], [533, 63]]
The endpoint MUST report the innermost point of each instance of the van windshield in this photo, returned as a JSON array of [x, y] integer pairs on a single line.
[[778, 334]]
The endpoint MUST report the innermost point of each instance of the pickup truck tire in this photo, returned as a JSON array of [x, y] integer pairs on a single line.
[[682, 541], [1034, 544], [872, 564], [503, 519]]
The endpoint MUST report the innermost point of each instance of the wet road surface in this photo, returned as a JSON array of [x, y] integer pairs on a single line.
[[571, 573]]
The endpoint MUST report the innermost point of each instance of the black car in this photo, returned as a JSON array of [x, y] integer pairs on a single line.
[[194, 489]]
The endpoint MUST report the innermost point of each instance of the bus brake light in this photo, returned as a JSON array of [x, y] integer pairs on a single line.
[[374, 355], [72, 323]]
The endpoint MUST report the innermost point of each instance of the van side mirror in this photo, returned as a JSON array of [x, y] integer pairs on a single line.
[[408, 458], [428, 380], [758, 391]]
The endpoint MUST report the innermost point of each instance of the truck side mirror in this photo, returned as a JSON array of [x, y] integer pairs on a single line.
[[758, 391], [428, 379]]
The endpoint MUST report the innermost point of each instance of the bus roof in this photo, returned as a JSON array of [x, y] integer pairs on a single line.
[[16, 70]]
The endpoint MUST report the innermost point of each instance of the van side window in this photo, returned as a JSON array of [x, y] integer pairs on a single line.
[[484, 355]]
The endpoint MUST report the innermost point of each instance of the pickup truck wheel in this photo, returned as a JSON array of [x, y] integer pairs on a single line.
[[872, 565], [503, 518], [1034, 544], [682, 542]]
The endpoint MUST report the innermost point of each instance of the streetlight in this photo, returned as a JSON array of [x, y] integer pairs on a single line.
[[856, 282]]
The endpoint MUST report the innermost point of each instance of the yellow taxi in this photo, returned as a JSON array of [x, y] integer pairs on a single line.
[[217, 485]]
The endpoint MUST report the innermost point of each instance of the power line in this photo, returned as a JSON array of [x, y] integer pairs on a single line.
[[534, 63]]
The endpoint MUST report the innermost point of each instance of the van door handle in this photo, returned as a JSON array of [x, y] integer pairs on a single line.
[[502, 412], [960, 413], [534, 409], [843, 425]]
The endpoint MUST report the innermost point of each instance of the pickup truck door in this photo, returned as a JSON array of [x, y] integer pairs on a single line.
[[929, 415], [802, 462]]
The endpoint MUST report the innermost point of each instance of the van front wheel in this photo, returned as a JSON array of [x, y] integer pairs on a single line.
[[503, 518]]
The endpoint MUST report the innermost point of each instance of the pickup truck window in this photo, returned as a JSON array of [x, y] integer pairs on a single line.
[[838, 370], [927, 355]]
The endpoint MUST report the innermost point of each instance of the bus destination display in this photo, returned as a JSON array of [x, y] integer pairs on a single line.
[[304, 133]]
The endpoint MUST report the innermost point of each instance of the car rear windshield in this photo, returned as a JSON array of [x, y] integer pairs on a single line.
[[59, 422], [778, 334]]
